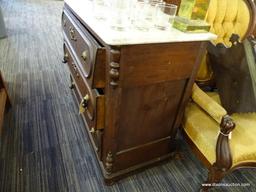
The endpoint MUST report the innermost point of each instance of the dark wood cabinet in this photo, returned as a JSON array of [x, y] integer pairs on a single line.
[[176, 2], [131, 96]]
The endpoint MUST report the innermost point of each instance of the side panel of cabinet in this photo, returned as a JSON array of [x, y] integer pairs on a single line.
[[146, 65], [146, 86]]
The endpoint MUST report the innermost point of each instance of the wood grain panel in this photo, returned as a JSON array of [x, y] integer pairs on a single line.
[[143, 64], [99, 76], [176, 2], [143, 154], [147, 113]]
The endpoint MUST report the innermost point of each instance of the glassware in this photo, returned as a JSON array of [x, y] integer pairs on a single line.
[[165, 14], [120, 14], [133, 10], [100, 8], [151, 8], [143, 16]]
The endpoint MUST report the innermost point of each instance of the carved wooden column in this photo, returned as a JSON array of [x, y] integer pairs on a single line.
[[113, 92]]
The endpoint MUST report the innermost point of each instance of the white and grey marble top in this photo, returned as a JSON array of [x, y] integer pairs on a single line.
[[84, 9]]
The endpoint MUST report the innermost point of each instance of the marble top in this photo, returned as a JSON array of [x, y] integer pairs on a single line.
[[84, 9]]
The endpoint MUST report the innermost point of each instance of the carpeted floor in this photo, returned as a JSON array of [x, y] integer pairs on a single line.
[[44, 147]]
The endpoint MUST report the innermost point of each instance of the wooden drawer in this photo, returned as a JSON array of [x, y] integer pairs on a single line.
[[94, 134], [91, 100], [86, 50], [69, 30]]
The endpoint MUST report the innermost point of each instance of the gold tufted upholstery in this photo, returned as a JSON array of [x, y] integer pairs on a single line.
[[206, 122], [226, 17], [203, 130]]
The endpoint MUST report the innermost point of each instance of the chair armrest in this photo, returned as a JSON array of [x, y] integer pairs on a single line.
[[215, 110], [219, 114]]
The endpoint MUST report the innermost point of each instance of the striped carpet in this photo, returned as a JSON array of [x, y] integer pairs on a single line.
[[44, 147]]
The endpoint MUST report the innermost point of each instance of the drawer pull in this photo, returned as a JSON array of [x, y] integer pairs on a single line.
[[65, 58], [84, 55], [84, 104], [92, 130], [72, 33]]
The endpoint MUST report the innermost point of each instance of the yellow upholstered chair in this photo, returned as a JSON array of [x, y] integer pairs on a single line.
[[207, 126], [226, 17]]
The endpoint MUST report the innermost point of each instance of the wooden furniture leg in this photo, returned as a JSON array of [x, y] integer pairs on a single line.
[[4, 101]]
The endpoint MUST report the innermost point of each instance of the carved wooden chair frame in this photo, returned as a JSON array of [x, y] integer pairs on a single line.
[[223, 164]]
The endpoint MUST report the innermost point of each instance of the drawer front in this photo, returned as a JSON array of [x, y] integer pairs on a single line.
[[94, 134], [70, 33], [83, 44], [91, 100]]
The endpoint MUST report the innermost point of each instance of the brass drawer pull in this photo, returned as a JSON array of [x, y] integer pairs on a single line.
[[84, 55], [84, 104], [65, 58], [85, 101], [72, 33], [92, 130]]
